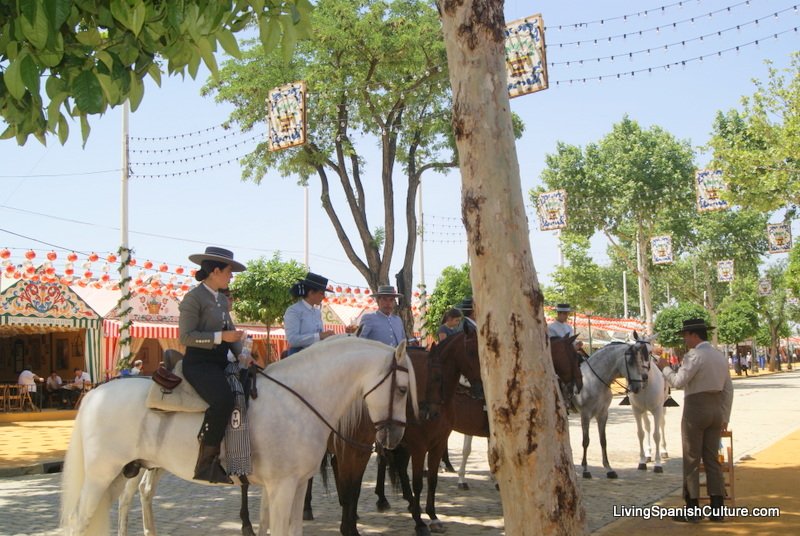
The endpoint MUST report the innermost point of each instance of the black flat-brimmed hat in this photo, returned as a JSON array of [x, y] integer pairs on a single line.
[[387, 290], [466, 305], [563, 308], [694, 324], [314, 281], [219, 255]]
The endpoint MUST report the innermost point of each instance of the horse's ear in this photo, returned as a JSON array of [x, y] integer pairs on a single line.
[[572, 339], [400, 352], [635, 335]]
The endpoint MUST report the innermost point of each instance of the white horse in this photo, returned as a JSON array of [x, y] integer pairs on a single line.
[[289, 439], [617, 360], [651, 399]]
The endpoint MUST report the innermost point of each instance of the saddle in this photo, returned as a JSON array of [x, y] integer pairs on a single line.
[[182, 397]]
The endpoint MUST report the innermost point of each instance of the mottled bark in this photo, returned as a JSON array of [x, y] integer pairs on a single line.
[[529, 445]]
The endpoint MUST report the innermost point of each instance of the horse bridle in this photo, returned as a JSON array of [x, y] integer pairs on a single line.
[[378, 426], [390, 420], [628, 354]]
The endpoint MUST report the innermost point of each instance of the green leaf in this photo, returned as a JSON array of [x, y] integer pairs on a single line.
[[52, 55], [8, 133], [13, 78], [295, 14], [228, 42], [155, 73], [289, 38], [90, 37], [194, 62], [88, 93], [136, 93], [30, 74], [53, 111], [122, 12], [207, 52], [257, 5], [270, 32], [41, 28], [106, 58], [58, 12], [110, 89], [138, 17], [85, 129], [63, 129]]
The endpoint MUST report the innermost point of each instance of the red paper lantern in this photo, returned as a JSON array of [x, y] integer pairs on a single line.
[[132, 262], [69, 271], [105, 277], [184, 287], [148, 264], [367, 291], [111, 258], [155, 283], [87, 274], [72, 257], [51, 255], [10, 269], [192, 272], [179, 270], [138, 282], [163, 268], [5, 253], [357, 291], [17, 274], [30, 270], [338, 289], [93, 257], [49, 270], [30, 254]]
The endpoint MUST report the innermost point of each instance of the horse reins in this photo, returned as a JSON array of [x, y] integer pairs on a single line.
[[628, 353], [378, 426]]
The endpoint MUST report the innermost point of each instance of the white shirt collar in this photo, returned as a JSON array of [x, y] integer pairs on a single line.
[[213, 292], [308, 305]]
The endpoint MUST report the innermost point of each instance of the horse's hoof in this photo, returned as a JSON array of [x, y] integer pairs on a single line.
[[463, 485], [422, 531], [383, 505], [658, 469], [449, 468], [642, 467], [308, 515], [587, 474], [611, 474], [437, 526]]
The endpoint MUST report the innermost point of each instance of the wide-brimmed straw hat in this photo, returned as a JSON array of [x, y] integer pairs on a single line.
[[563, 308], [694, 324], [387, 290], [219, 255]]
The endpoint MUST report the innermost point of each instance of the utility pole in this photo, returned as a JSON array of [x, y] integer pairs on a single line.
[[124, 251], [625, 293]]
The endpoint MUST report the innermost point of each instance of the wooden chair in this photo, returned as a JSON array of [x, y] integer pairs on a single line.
[[26, 399], [86, 388], [726, 462], [3, 399], [14, 397]]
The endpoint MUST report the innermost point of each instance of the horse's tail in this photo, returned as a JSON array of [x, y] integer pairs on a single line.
[[323, 469], [72, 479]]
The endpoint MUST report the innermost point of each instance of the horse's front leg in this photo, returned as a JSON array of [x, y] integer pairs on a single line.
[[657, 417], [263, 514], [244, 510], [282, 505], [296, 521], [466, 449], [433, 479], [585, 430], [601, 428], [147, 490], [417, 462], [640, 434], [382, 503]]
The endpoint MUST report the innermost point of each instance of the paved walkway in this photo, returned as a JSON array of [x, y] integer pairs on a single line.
[[764, 413]]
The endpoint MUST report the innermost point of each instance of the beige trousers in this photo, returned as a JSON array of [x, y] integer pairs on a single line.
[[700, 432]]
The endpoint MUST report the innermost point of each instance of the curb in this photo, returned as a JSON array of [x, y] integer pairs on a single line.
[[43, 468]]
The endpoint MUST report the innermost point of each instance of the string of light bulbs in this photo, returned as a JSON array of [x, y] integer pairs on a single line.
[[208, 154], [134, 150], [179, 136]]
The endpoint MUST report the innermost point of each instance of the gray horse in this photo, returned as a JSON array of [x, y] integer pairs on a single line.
[[617, 360]]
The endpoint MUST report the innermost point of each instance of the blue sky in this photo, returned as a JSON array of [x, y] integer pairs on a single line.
[[70, 196]]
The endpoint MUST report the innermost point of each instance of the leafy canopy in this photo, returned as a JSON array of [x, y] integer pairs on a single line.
[[452, 286], [757, 147], [262, 291], [670, 320], [94, 54]]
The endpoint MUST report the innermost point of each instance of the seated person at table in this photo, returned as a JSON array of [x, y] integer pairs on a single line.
[[80, 382], [52, 386]]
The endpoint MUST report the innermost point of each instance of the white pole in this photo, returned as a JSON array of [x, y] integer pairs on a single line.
[[124, 334], [421, 237], [639, 276], [305, 230], [625, 293]]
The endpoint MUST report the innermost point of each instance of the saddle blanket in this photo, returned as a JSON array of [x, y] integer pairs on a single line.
[[182, 398]]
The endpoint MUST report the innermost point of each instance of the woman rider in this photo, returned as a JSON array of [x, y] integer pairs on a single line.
[[303, 320], [207, 331]]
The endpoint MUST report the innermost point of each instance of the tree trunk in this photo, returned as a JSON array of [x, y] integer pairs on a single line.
[[529, 450]]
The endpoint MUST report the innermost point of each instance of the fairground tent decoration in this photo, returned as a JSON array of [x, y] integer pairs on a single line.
[[725, 271], [662, 249], [552, 209], [286, 116], [780, 237], [710, 186], [764, 287], [526, 63]]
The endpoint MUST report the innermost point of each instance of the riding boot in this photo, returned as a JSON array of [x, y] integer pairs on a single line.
[[208, 467], [692, 513], [717, 509]]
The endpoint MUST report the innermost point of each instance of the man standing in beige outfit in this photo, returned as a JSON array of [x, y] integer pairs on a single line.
[[706, 382]]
